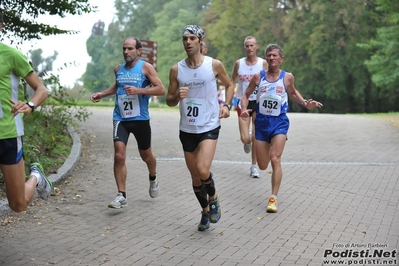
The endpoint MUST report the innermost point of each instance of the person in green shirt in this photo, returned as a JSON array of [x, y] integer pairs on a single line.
[[14, 66]]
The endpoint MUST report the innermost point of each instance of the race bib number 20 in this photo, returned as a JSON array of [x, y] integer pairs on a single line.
[[194, 111]]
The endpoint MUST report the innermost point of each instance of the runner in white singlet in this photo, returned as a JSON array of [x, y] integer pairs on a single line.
[[244, 69], [192, 85]]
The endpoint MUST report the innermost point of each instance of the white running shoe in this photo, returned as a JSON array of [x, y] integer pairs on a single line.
[[247, 147], [44, 185], [154, 188], [254, 172], [119, 202]]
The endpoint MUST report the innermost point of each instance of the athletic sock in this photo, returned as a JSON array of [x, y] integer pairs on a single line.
[[123, 193], [152, 178], [38, 177]]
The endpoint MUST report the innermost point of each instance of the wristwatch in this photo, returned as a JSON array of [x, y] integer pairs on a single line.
[[31, 105], [227, 105]]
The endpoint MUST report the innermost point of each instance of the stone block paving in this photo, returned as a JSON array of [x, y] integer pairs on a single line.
[[339, 194]]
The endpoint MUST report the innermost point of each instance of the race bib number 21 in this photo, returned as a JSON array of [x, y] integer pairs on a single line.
[[129, 105]]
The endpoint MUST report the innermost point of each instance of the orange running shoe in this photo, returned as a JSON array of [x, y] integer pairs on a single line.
[[272, 206]]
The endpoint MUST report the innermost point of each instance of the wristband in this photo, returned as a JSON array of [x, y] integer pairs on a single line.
[[228, 106]]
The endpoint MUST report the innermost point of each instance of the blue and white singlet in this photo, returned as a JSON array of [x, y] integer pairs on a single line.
[[272, 99], [131, 107]]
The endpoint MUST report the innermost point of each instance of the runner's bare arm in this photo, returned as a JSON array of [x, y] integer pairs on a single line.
[[221, 74], [37, 99], [41, 92], [265, 65], [296, 95], [173, 97], [157, 87], [250, 89], [234, 75], [111, 90]]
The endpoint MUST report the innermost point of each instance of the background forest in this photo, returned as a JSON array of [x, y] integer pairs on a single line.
[[343, 53]]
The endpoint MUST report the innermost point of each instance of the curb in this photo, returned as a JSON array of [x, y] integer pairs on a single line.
[[62, 173], [70, 163]]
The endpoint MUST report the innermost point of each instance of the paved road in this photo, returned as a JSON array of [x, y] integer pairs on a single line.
[[339, 198]]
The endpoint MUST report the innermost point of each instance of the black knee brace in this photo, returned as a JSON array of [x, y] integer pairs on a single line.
[[200, 193], [209, 185]]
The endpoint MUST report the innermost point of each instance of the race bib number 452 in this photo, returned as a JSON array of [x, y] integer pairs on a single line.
[[270, 104]]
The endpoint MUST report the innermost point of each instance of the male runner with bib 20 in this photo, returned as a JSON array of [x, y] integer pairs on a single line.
[[136, 82], [192, 85]]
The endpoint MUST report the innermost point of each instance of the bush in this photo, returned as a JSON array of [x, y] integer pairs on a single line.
[[47, 138]]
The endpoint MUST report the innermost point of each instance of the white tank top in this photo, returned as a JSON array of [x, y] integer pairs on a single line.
[[245, 73], [199, 111]]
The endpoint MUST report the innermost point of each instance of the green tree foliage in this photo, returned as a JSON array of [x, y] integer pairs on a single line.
[[40, 63], [323, 36], [153, 20], [171, 21], [136, 17], [41, 66], [320, 40], [105, 50], [384, 61], [46, 136], [228, 22], [96, 78], [133, 18], [20, 17]]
